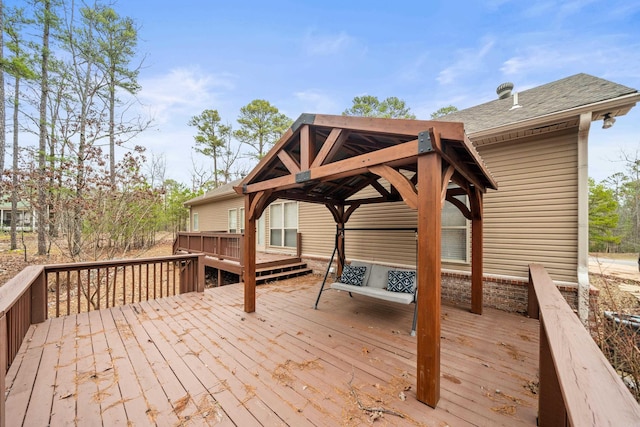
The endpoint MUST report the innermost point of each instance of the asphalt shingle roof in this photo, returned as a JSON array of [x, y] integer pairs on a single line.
[[571, 92]]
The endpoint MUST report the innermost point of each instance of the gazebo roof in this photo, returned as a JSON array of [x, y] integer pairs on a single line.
[[328, 159]]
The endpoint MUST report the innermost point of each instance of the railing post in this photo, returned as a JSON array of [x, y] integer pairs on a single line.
[[241, 256], [533, 310], [200, 274], [4, 348], [551, 406], [299, 245], [39, 298], [184, 276]]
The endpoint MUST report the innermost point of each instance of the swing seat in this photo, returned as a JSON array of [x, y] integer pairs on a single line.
[[375, 284]]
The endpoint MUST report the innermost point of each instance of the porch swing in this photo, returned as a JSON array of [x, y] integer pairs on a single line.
[[373, 279]]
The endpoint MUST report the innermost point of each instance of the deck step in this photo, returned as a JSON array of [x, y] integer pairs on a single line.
[[283, 275], [280, 268]]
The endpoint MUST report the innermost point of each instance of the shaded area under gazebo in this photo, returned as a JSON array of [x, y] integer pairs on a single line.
[[331, 159]]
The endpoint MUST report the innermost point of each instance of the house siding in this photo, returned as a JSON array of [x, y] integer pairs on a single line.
[[533, 217], [214, 216]]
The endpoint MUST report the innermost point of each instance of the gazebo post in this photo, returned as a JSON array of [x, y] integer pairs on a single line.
[[249, 273], [476, 252], [340, 241], [428, 278]]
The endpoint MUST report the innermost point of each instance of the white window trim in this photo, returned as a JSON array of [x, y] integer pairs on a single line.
[[196, 224], [241, 220], [283, 228], [467, 229], [231, 212]]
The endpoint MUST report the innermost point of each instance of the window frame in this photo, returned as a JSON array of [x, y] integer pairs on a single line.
[[466, 239], [232, 213], [283, 228], [241, 220], [196, 221]]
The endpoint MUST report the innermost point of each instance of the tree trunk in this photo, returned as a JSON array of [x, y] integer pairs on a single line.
[[14, 189], [42, 146], [112, 136], [2, 110]]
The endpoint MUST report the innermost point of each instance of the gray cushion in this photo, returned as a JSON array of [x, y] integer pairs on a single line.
[[383, 294]]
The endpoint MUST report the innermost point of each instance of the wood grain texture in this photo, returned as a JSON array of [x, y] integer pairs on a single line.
[[199, 359]]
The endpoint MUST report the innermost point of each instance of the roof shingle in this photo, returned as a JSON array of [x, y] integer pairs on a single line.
[[564, 94]]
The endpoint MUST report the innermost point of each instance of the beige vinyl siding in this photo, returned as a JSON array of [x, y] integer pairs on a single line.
[[533, 216], [391, 246], [318, 230], [394, 247], [214, 216]]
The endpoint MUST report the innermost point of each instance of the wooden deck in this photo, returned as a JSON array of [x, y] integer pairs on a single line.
[[198, 359]]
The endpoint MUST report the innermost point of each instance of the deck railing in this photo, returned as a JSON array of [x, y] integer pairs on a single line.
[[578, 386], [43, 291], [218, 244], [227, 246]]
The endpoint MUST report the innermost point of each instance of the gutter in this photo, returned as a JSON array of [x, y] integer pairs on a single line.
[[601, 107]]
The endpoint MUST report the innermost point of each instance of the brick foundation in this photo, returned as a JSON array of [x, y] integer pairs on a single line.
[[501, 293]]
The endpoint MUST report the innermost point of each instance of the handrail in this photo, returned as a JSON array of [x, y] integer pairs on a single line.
[[578, 386], [215, 244], [23, 299]]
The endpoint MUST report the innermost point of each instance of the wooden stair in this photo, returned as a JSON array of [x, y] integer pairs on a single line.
[[284, 271]]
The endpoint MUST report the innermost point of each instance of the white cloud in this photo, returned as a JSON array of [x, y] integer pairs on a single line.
[[182, 90], [326, 44], [316, 101], [468, 61], [600, 57]]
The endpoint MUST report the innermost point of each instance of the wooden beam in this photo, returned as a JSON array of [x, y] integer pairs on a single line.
[[401, 127], [292, 166], [380, 189], [451, 157], [428, 278], [334, 212], [331, 146], [464, 210], [307, 147], [350, 211], [446, 177], [476, 253], [392, 156], [249, 255], [400, 182]]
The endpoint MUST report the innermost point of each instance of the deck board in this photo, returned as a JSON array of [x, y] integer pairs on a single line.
[[198, 359]]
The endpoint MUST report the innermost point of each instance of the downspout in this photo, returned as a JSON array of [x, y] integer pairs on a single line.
[[583, 217]]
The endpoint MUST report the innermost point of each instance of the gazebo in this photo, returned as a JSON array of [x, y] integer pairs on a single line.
[[329, 159]]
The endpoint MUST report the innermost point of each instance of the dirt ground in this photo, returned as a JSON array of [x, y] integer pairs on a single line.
[[12, 262]]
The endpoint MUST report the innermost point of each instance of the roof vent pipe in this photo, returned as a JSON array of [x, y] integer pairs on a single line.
[[504, 90]]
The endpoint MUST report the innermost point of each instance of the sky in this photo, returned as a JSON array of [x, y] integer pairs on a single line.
[[315, 57]]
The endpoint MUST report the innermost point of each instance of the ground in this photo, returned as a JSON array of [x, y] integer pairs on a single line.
[[12, 262]]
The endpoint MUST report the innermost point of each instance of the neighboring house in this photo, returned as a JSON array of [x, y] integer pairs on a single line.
[[534, 144], [25, 219]]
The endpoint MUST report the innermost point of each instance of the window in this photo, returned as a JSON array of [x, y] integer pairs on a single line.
[[195, 221], [241, 220], [455, 233], [283, 224], [233, 221]]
